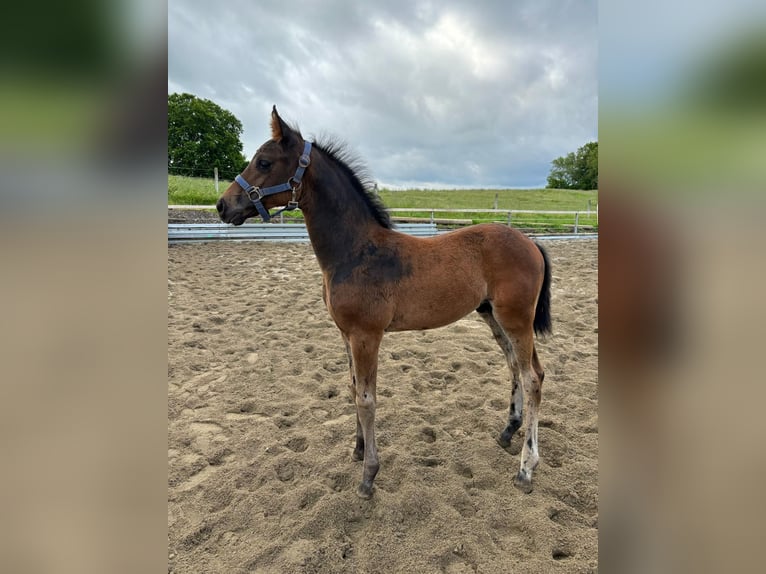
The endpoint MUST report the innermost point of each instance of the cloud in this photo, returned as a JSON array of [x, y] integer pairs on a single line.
[[453, 93]]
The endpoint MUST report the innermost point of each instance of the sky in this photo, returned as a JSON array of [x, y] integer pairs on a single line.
[[428, 94], [648, 49]]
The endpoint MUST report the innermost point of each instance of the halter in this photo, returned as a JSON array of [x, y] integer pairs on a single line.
[[256, 194]]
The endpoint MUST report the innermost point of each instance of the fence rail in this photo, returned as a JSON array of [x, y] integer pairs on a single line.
[[505, 215], [288, 232]]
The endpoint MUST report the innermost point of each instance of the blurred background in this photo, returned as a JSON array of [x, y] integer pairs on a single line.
[[83, 250], [83, 290], [682, 112]]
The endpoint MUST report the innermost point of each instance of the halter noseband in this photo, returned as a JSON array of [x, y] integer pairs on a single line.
[[256, 194]]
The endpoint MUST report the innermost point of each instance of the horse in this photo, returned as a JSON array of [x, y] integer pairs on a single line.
[[376, 280]]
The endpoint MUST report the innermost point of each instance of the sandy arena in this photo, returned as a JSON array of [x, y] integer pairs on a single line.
[[261, 428]]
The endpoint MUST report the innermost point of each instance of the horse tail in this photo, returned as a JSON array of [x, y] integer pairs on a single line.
[[542, 322]]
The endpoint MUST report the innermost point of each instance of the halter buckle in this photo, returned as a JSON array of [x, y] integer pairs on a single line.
[[257, 191]]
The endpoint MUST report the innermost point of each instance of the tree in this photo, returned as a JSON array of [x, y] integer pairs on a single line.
[[730, 77], [576, 170], [201, 136]]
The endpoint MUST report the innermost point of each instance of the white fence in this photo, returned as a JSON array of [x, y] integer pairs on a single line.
[[288, 232], [505, 215]]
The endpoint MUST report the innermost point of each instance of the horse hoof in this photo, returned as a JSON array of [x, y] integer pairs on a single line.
[[504, 440], [364, 491], [357, 455], [523, 483]]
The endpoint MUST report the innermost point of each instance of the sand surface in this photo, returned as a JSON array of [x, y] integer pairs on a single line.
[[261, 428]]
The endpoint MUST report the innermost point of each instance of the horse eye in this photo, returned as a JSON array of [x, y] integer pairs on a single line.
[[263, 164]]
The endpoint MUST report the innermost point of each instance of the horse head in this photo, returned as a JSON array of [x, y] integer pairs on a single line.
[[271, 179]]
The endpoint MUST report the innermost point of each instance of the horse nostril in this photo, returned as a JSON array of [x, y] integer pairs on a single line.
[[220, 206]]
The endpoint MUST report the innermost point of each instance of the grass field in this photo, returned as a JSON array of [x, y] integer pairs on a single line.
[[527, 199], [184, 190], [199, 191]]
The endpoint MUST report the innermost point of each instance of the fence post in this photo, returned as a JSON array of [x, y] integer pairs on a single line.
[[215, 176], [509, 219], [577, 221], [495, 208], [589, 208], [432, 216]]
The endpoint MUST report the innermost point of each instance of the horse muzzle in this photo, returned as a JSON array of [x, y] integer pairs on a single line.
[[229, 214]]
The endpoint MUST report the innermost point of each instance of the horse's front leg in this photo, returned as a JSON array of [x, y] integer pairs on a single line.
[[358, 453], [364, 351]]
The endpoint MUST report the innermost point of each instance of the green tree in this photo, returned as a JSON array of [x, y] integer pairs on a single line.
[[201, 136], [731, 76], [576, 170]]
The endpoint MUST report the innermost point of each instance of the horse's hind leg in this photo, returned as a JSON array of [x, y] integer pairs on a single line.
[[517, 395], [358, 453], [520, 332], [531, 378]]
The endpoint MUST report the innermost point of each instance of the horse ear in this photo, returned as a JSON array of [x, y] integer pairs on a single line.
[[279, 129]]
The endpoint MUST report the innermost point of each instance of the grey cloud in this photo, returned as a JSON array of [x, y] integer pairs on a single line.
[[483, 93]]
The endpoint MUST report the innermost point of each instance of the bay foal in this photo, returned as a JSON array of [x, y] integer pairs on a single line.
[[377, 280]]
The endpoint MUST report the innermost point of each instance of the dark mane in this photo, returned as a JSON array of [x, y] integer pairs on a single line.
[[356, 171]]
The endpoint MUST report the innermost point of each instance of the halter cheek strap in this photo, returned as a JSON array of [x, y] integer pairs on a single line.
[[256, 194]]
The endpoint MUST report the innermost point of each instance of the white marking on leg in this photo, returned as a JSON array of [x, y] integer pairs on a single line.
[[529, 452]]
